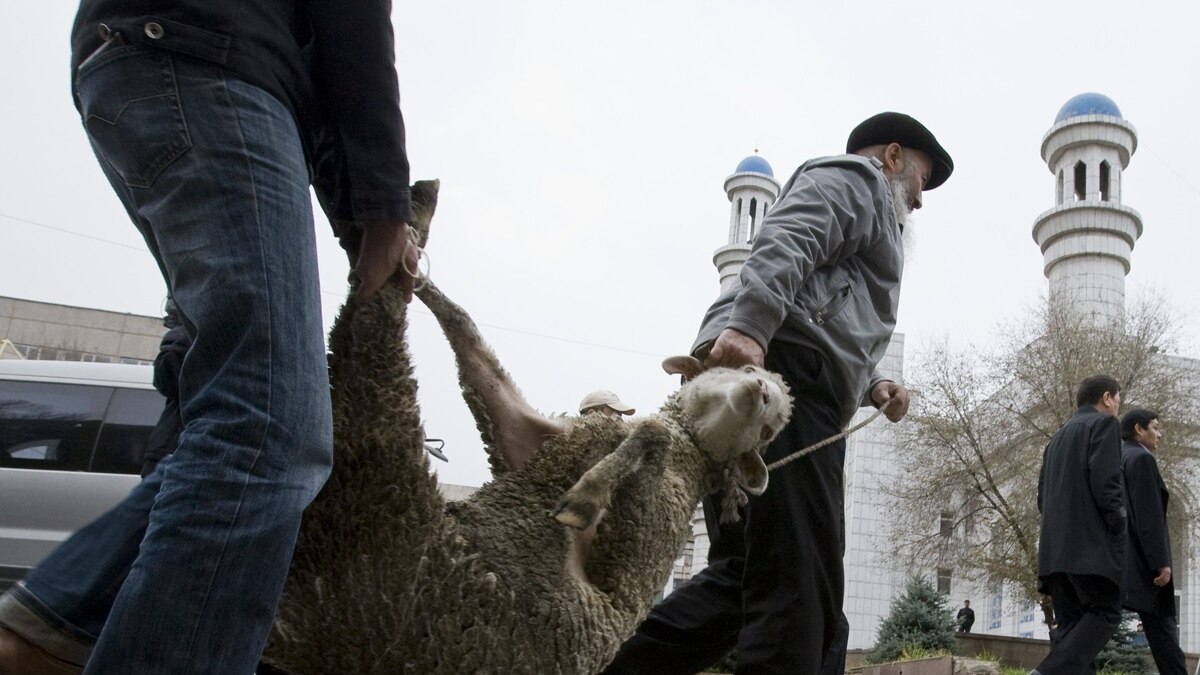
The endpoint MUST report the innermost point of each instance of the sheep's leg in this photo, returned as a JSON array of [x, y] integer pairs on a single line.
[[583, 505], [511, 429]]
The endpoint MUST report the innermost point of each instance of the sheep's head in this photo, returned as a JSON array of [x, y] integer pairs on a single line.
[[735, 413]]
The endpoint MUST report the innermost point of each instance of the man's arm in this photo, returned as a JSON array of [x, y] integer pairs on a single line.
[[734, 349], [169, 362], [361, 172], [885, 392], [1147, 518], [825, 215], [1104, 471]]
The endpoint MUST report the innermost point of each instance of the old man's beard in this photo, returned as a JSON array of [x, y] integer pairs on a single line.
[[900, 202]]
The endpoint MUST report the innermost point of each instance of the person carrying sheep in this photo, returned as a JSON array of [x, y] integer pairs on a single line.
[[816, 301], [211, 119]]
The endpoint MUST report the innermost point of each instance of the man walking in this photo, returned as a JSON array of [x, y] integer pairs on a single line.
[[1149, 585], [816, 301], [211, 119], [1081, 553]]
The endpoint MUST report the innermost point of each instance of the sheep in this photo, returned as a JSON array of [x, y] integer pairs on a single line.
[[545, 569]]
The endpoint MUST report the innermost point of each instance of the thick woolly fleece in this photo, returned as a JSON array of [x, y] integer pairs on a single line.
[[387, 579]]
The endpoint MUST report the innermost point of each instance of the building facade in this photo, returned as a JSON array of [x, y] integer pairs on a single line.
[[48, 331]]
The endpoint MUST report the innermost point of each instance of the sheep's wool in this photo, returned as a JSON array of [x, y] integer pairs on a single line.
[[387, 578]]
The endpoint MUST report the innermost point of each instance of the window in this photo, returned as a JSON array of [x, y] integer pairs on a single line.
[[946, 524], [49, 426], [996, 609], [1104, 171], [1027, 634], [1059, 187], [131, 416], [1080, 181], [943, 580], [753, 219]]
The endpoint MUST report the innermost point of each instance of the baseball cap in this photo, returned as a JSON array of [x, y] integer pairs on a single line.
[[605, 397]]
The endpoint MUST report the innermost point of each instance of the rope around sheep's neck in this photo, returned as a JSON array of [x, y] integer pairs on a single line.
[[832, 439]]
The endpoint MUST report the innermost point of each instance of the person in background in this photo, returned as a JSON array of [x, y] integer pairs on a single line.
[[604, 402], [966, 617]]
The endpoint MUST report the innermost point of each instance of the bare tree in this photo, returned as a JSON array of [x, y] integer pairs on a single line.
[[970, 451]]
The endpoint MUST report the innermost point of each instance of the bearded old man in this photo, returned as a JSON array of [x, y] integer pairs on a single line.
[[816, 301]]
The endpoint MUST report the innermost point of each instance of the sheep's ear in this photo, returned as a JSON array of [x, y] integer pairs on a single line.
[[688, 366], [752, 472]]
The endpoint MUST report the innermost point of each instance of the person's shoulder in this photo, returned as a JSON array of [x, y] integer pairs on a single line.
[[1135, 454], [1133, 447], [841, 165], [838, 174]]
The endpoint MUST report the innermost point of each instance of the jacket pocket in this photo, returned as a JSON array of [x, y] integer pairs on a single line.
[[836, 303], [130, 105]]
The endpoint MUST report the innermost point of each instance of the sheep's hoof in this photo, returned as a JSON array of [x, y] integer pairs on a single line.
[[579, 515]]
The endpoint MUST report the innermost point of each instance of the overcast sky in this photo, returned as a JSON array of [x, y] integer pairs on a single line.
[[582, 149]]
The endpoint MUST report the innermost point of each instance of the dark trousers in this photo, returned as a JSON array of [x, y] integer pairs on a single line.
[[1162, 634], [773, 587], [1088, 611]]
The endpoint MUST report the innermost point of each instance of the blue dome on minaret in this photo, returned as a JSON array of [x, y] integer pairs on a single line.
[[754, 164], [1090, 103]]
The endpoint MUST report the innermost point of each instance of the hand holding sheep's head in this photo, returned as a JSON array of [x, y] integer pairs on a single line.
[[736, 412]]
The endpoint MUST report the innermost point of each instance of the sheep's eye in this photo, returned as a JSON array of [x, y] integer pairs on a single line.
[[748, 369]]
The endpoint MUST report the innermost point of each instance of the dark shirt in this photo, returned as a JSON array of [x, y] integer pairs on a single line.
[[966, 617], [332, 62]]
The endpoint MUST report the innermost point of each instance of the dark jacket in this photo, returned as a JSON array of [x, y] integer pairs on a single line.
[[966, 618], [1148, 546], [332, 62], [1082, 500], [824, 272], [165, 435]]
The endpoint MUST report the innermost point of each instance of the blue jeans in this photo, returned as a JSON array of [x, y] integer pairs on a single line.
[[212, 172]]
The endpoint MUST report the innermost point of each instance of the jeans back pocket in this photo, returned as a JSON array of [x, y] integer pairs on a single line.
[[131, 111]]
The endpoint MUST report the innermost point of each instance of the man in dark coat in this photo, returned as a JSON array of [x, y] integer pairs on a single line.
[[966, 617], [1149, 588], [1081, 554]]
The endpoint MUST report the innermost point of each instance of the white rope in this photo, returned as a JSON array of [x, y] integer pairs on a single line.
[[832, 439], [419, 278]]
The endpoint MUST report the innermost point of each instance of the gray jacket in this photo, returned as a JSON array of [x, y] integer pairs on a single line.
[[824, 272]]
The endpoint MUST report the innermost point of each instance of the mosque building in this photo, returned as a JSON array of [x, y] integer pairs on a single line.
[[1086, 238]]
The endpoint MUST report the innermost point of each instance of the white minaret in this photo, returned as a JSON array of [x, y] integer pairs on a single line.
[[752, 189], [1088, 236]]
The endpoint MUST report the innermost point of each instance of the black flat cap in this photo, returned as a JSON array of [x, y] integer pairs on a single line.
[[894, 127]]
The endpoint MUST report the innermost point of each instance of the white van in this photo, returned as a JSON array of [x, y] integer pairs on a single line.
[[72, 436]]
